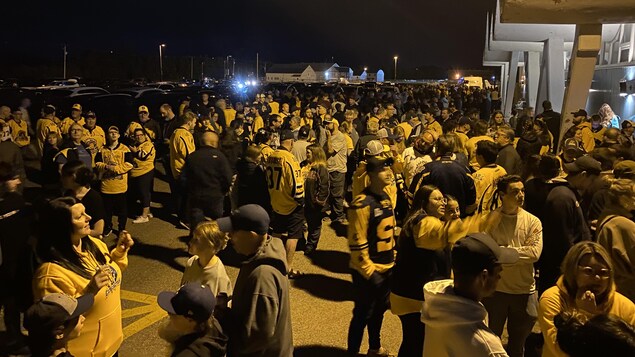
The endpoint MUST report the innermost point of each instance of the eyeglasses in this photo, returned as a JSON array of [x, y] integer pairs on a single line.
[[603, 274]]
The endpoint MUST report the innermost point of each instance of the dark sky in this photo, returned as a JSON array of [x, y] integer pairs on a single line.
[[447, 33]]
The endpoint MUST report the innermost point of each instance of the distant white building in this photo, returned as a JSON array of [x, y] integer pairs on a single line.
[[304, 72], [367, 76]]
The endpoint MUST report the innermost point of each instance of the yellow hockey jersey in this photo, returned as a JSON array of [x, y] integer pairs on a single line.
[[65, 126], [285, 181], [43, 127], [94, 139], [117, 158], [143, 159], [20, 132]]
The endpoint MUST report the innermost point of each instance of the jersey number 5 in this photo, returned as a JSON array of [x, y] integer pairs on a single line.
[[274, 175]]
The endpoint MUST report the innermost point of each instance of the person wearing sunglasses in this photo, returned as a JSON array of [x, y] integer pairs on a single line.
[[587, 287]]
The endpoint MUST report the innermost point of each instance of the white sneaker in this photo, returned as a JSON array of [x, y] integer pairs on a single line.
[[141, 219], [150, 215]]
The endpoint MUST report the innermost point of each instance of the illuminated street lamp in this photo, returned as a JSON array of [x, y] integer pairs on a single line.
[[457, 76], [161, 58], [396, 58]]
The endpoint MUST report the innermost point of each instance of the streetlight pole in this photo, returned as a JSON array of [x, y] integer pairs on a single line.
[[161, 59], [65, 54], [396, 58]]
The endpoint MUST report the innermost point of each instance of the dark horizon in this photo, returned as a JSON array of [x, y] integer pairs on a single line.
[[354, 33]]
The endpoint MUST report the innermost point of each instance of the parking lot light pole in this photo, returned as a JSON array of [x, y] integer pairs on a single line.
[[161, 59], [396, 58]]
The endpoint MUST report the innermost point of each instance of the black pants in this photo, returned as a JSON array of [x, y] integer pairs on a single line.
[[201, 207], [142, 188], [336, 199], [115, 203], [313, 216], [413, 332], [371, 301]]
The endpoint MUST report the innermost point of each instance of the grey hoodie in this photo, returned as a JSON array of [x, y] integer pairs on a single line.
[[261, 315], [456, 326]]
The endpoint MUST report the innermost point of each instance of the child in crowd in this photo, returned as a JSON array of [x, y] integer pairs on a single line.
[[205, 267], [55, 320], [452, 210]]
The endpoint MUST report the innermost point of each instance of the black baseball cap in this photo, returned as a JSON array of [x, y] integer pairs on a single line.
[[580, 113], [286, 135], [193, 300], [250, 217], [478, 251], [53, 310], [304, 131], [376, 164], [583, 163]]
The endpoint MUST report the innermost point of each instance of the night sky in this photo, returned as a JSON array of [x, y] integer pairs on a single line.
[[447, 33]]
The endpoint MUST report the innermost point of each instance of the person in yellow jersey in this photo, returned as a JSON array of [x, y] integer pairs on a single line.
[[286, 189], [114, 162], [371, 241], [228, 112], [19, 129], [479, 132], [486, 177], [75, 263], [93, 137], [181, 145], [431, 122], [275, 106], [462, 129], [263, 139], [151, 126], [75, 117], [46, 125], [142, 174], [361, 178]]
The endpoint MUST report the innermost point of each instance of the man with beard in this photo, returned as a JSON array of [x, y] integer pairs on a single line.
[[191, 329]]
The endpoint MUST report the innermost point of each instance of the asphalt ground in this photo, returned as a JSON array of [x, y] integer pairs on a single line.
[[321, 300]]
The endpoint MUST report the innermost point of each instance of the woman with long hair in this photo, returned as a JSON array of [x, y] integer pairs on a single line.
[[423, 255], [142, 174], [316, 190], [74, 263], [587, 287], [76, 180]]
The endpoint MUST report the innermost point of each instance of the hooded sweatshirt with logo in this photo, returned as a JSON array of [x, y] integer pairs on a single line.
[[260, 320], [456, 326]]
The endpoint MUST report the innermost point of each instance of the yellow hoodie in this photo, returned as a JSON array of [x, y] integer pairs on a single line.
[[102, 334]]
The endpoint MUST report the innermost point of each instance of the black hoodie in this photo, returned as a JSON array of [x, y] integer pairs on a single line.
[[212, 343]]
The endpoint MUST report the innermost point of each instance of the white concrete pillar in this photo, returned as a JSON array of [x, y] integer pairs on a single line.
[[511, 83], [551, 85], [532, 76], [587, 43]]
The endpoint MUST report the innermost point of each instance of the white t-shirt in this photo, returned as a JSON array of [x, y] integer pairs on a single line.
[[214, 275]]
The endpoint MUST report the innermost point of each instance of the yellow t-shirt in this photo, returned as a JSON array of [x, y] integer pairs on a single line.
[[470, 146], [114, 182], [285, 182]]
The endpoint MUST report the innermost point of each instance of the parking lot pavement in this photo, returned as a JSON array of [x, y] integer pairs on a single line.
[[320, 300]]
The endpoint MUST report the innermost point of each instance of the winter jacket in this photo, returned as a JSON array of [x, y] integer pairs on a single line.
[[316, 187], [616, 233], [456, 326], [261, 315], [206, 174], [509, 159]]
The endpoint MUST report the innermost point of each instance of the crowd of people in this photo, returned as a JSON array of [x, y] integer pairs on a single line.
[[460, 221]]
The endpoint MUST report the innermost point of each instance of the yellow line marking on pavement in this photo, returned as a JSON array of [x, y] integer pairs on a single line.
[[153, 312], [136, 311], [143, 323]]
